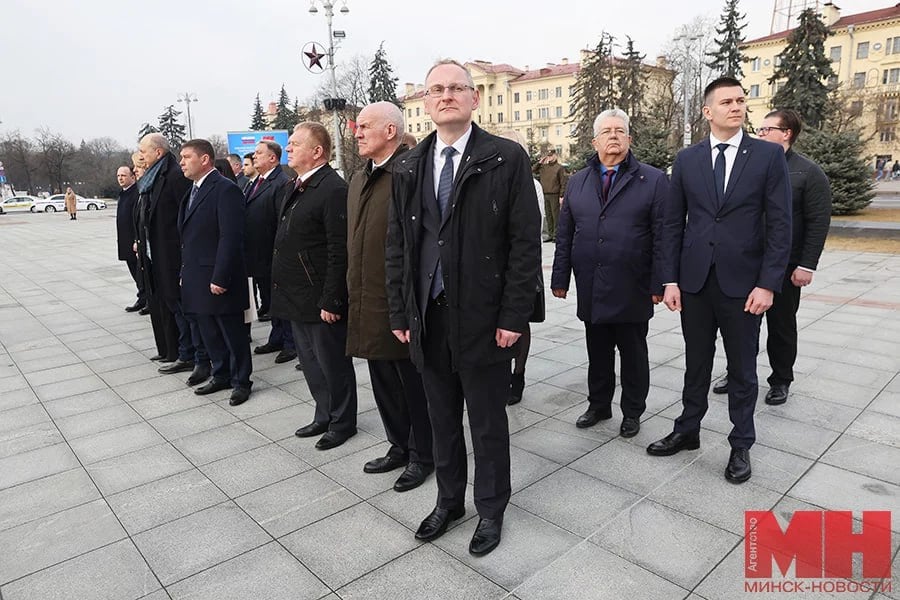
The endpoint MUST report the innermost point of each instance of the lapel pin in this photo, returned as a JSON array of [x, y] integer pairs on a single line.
[[744, 152]]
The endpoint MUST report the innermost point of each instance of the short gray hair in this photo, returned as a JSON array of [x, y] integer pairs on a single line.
[[618, 113], [158, 140], [450, 61]]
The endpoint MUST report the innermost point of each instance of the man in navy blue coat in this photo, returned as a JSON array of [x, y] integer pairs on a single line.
[[213, 274], [726, 239], [609, 234]]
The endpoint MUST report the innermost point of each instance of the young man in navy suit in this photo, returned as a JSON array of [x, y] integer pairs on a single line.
[[213, 275], [726, 239]]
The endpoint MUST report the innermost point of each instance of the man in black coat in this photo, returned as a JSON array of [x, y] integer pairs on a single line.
[[213, 277], [811, 200], [264, 196], [125, 235], [462, 257], [237, 165], [165, 187], [619, 242], [309, 282]]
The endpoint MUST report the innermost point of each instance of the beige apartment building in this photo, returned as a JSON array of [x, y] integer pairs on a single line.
[[537, 103], [865, 55]]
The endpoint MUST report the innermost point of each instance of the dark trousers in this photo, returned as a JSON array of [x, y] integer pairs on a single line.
[[138, 280], [631, 340], [165, 331], [225, 338], [328, 372], [551, 210], [702, 315], [484, 390], [190, 340], [781, 343], [281, 334], [400, 398]]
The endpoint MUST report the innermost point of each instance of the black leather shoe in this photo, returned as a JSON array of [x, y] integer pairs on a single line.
[[135, 307], [435, 524], [264, 318], [516, 387], [285, 356], [592, 416], [383, 464], [201, 373], [486, 536], [157, 357], [332, 439], [738, 469], [630, 427], [777, 394], [312, 429], [412, 477], [239, 396], [266, 349], [144, 311], [299, 366], [179, 366], [721, 386], [212, 387], [674, 443]]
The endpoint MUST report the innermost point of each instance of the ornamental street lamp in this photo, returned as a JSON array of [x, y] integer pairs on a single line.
[[187, 98], [328, 6]]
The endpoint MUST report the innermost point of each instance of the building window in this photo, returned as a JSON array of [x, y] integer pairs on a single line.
[[516, 116], [499, 99], [528, 96], [835, 54], [778, 60], [856, 108], [889, 110], [543, 113], [558, 131], [543, 94], [428, 126], [571, 110], [417, 111], [418, 127], [862, 50], [573, 129], [559, 91], [408, 112], [832, 82], [887, 134], [558, 110], [571, 90], [559, 149], [410, 127], [755, 64], [516, 98], [892, 46], [528, 115], [890, 76], [859, 81], [754, 90], [490, 117], [542, 133], [490, 100], [499, 117]]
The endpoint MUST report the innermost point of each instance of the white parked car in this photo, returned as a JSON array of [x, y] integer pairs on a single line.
[[17, 204], [57, 203]]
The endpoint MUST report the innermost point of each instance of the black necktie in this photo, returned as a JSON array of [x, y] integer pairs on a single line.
[[445, 186], [719, 172], [607, 184]]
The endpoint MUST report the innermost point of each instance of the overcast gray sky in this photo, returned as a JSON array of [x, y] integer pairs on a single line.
[[92, 68]]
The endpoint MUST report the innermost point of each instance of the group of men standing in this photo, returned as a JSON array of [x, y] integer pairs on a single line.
[[425, 266]]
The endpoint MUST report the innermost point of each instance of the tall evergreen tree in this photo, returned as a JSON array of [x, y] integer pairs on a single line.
[[299, 111], [841, 154], [382, 83], [285, 117], [805, 70], [145, 129], [170, 128], [631, 82], [727, 60], [594, 91], [257, 119]]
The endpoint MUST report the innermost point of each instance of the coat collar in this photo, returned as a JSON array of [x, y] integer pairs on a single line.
[[208, 184]]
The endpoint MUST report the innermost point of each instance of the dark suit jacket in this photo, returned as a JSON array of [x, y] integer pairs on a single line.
[[125, 230], [262, 221], [748, 237], [212, 233], [309, 262], [168, 190], [612, 248], [241, 180]]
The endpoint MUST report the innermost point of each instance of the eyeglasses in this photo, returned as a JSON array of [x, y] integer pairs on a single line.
[[456, 89], [766, 130], [619, 131]]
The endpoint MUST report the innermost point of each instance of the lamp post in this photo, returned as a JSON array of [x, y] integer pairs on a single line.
[[187, 98], [687, 81], [328, 6]]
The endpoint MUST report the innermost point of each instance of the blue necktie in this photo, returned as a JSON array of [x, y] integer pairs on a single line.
[[445, 186], [194, 190], [719, 172], [607, 184]]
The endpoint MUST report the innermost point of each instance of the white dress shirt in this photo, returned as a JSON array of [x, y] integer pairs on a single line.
[[439, 146], [305, 177], [730, 152]]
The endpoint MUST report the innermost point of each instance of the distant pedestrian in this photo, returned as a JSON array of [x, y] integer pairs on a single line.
[[71, 204], [879, 169], [553, 182], [895, 170]]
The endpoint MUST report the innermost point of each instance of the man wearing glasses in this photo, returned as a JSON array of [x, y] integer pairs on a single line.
[[811, 199], [462, 259]]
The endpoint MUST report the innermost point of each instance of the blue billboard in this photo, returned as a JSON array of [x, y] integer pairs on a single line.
[[242, 142]]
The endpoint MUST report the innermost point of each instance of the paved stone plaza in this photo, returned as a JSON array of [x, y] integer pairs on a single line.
[[117, 482]]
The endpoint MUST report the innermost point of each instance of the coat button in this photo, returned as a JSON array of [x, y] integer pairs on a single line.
[[440, 242], [413, 218], [718, 220], [600, 241]]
